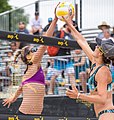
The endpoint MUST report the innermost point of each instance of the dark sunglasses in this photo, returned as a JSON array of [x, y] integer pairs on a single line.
[[100, 48], [32, 50]]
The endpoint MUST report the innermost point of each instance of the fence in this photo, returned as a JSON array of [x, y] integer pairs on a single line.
[[61, 66]]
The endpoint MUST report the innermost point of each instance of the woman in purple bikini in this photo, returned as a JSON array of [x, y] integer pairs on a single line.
[[33, 81]]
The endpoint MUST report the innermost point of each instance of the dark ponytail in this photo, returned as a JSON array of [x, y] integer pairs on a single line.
[[112, 60], [18, 52], [106, 60]]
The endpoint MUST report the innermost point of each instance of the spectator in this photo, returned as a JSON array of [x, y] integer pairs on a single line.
[[65, 63], [75, 24], [36, 24], [13, 47], [103, 27], [80, 65], [47, 26], [21, 29], [9, 57], [112, 34], [49, 73], [107, 34]]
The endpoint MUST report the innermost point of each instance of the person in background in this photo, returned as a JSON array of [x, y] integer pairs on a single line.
[[21, 29], [49, 70], [75, 24], [100, 80], [107, 35], [36, 24], [112, 34], [63, 64], [47, 26], [80, 66], [33, 81], [13, 46], [103, 27]]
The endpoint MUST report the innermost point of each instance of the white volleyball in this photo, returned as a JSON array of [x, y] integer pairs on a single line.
[[64, 9]]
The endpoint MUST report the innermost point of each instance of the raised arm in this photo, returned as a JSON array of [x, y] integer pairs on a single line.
[[42, 48], [80, 39]]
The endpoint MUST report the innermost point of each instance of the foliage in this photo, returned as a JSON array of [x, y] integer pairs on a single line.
[[17, 16], [9, 21], [4, 6]]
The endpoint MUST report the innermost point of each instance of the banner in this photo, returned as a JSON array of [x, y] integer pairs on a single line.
[[35, 39], [25, 117]]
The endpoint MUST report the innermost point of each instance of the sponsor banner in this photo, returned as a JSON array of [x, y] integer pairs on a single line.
[[28, 117]]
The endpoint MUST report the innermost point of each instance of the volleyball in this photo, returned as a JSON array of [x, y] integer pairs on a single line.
[[64, 9]]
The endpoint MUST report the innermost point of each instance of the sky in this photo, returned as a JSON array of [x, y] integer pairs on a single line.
[[93, 11], [46, 9], [20, 3]]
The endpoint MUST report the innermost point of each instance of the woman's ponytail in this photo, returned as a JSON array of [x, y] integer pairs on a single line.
[[18, 52]]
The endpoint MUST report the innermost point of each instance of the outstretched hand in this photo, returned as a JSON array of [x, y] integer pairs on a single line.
[[72, 93], [68, 19], [8, 101], [74, 32]]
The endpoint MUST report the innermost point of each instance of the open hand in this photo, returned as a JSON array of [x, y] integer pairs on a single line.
[[8, 101], [68, 19], [72, 93]]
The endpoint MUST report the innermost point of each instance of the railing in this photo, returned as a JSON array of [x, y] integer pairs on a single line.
[[9, 83]]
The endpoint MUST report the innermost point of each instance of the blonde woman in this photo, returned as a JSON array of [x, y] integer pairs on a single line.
[[100, 79], [33, 81]]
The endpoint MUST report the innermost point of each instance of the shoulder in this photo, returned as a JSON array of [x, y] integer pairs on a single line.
[[104, 70], [104, 73], [26, 31], [17, 30]]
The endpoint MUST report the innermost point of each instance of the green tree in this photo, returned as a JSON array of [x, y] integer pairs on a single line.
[[4, 6], [17, 16], [10, 20]]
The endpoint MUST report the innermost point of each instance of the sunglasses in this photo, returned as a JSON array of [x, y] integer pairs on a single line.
[[100, 49], [32, 50]]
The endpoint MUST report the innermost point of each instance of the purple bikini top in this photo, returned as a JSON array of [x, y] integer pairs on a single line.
[[38, 77]]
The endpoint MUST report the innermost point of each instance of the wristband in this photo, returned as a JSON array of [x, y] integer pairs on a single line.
[[78, 95]]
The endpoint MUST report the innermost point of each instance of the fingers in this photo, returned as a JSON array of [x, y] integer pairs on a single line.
[[55, 9], [74, 88], [58, 4], [9, 105], [71, 94], [5, 102], [64, 19], [72, 16], [68, 93], [68, 90]]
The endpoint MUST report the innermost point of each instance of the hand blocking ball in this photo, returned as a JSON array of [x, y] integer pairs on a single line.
[[64, 9]]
